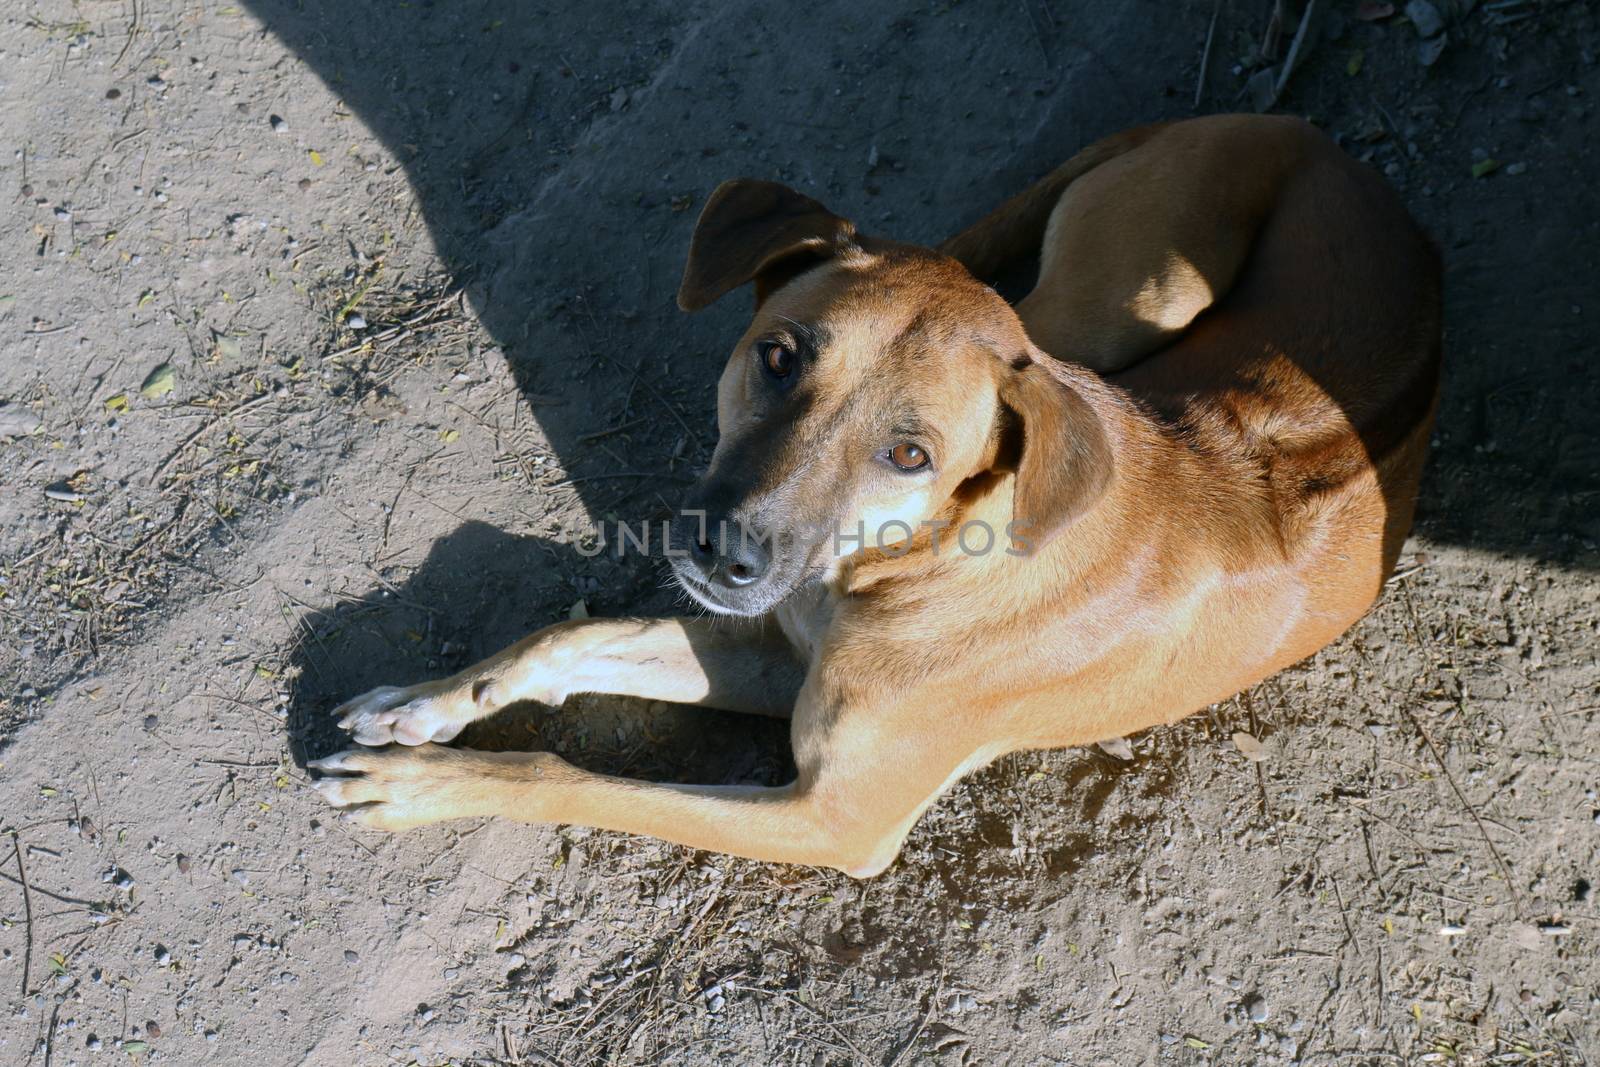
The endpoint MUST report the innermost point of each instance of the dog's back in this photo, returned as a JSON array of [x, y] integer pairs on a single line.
[[1282, 320]]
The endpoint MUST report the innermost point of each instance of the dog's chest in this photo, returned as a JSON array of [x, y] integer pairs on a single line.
[[805, 618]]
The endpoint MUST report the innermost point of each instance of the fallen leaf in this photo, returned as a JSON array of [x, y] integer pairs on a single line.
[[1485, 167], [1353, 67], [316, 157], [158, 382], [448, 436], [117, 403], [228, 347], [1196, 1043], [580, 610], [18, 421], [1249, 747], [1118, 747]]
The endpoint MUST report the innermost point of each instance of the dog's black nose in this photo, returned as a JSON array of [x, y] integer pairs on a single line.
[[729, 552]]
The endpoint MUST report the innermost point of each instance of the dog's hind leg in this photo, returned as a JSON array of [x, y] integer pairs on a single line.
[[1142, 244], [1013, 233], [745, 667]]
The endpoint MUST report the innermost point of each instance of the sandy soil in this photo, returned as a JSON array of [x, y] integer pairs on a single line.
[[224, 508]]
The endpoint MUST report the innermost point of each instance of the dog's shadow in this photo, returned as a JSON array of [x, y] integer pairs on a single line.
[[478, 590]]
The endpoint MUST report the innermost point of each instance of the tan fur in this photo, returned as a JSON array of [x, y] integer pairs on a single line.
[[1212, 413]]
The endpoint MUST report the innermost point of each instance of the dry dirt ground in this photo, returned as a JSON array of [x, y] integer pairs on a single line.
[[226, 508]]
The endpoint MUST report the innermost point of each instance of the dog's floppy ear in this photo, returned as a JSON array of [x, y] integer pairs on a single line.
[[1063, 461], [757, 231]]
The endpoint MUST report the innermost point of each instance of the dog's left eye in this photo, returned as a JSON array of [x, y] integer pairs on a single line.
[[908, 457], [777, 359]]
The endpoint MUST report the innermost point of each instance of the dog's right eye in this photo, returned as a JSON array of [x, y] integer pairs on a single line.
[[777, 359]]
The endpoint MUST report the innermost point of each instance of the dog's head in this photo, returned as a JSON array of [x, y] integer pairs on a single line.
[[877, 382]]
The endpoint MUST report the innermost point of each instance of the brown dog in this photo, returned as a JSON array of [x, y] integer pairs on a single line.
[[1192, 451]]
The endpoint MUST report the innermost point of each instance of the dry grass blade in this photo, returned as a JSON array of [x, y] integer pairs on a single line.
[[1505, 871], [27, 911]]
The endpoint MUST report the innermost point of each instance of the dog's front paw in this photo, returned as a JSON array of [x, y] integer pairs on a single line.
[[399, 788], [393, 790], [408, 715]]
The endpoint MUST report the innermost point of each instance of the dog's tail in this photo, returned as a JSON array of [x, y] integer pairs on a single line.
[[1014, 231]]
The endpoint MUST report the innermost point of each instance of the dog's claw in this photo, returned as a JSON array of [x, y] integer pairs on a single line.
[[348, 761]]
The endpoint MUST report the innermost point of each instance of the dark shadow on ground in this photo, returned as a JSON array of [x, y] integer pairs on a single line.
[[561, 152]]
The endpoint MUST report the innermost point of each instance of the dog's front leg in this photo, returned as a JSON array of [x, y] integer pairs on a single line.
[[748, 667], [863, 780]]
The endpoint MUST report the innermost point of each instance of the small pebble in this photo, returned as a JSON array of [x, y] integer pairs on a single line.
[[151, 722], [1425, 17], [278, 124], [1255, 1006], [63, 214], [112, 94], [350, 956], [152, 1029], [163, 957], [184, 864], [355, 321]]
